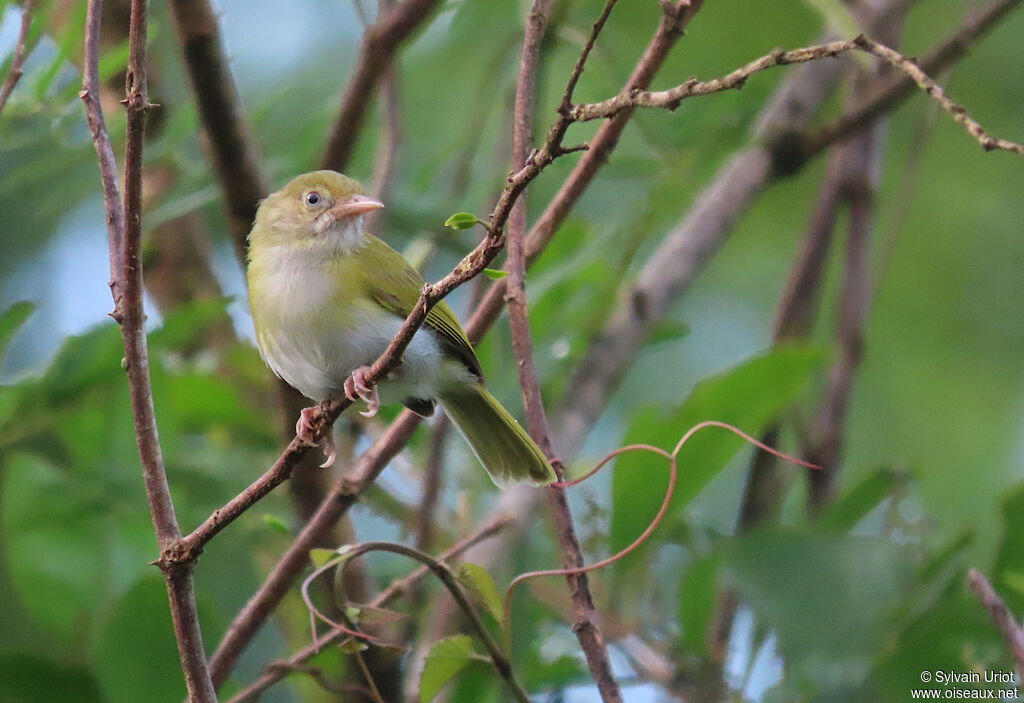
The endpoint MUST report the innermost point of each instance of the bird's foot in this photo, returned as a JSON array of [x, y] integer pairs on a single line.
[[306, 433], [304, 430], [357, 387]]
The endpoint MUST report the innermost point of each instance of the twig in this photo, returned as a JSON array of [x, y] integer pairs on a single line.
[[448, 579], [380, 41], [276, 671], [234, 157], [586, 627], [888, 96], [124, 226], [431, 485], [14, 75], [672, 97], [1001, 616]]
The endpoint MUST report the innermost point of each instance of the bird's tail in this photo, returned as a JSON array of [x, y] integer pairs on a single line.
[[499, 442]]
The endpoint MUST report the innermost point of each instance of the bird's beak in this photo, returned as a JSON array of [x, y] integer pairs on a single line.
[[356, 205]]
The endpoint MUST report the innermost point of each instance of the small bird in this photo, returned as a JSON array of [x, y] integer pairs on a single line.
[[327, 298]]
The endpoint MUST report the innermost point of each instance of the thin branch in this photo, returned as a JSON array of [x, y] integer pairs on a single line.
[[672, 97], [885, 98], [380, 42], [1004, 620], [124, 225], [433, 468], [586, 627], [234, 156], [14, 75], [275, 671], [448, 579]]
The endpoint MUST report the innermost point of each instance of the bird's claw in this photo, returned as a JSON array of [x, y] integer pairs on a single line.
[[306, 434], [356, 386]]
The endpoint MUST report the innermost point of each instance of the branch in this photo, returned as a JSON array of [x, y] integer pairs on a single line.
[[14, 75], [673, 21], [380, 41], [586, 628], [444, 574], [1001, 616], [124, 226], [671, 98], [235, 159], [887, 97], [275, 671]]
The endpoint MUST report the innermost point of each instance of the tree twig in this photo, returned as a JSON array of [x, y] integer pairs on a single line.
[[672, 97], [275, 671], [586, 627], [124, 226], [380, 41], [20, 46], [1004, 620]]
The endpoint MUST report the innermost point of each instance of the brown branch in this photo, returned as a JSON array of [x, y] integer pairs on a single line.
[[124, 225], [336, 503], [586, 626], [14, 75], [674, 20], [234, 157], [885, 98], [1004, 620], [380, 41], [672, 97], [431, 485], [275, 671], [858, 188]]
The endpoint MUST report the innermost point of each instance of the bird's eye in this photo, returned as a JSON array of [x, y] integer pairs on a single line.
[[312, 198]]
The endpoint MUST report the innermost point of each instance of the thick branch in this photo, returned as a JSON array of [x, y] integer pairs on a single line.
[[234, 157], [380, 41], [124, 226], [14, 75]]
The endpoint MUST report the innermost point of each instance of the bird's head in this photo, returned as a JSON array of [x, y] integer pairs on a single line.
[[322, 207]]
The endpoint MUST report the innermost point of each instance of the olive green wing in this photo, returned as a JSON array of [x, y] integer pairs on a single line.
[[396, 286]]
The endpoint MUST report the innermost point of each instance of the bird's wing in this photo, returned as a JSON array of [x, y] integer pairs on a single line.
[[396, 286]]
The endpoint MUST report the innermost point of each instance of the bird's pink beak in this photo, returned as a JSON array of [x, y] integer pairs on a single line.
[[356, 205]]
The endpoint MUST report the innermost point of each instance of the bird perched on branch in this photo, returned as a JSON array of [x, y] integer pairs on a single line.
[[327, 298]]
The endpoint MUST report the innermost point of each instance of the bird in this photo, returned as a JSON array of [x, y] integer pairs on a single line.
[[328, 297]]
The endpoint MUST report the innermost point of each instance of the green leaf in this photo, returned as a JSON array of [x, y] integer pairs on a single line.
[[462, 220], [320, 556], [482, 586], [11, 321], [134, 655], [275, 523], [446, 659], [749, 396], [26, 678], [698, 599], [829, 597], [860, 500], [495, 274], [669, 331], [353, 645]]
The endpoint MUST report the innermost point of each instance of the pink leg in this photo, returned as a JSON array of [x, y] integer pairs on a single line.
[[356, 387], [304, 427]]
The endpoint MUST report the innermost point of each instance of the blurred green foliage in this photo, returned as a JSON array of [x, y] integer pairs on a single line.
[[849, 608]]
